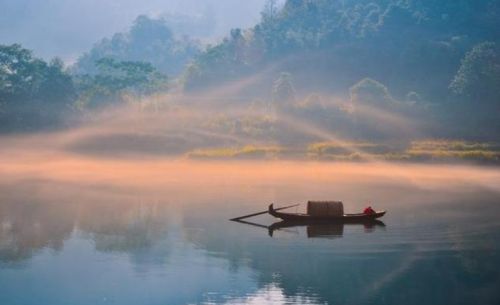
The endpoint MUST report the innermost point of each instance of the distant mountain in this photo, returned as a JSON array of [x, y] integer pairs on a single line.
[[149, 40]]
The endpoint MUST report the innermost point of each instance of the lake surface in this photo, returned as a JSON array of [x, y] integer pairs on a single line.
[[82, 231]]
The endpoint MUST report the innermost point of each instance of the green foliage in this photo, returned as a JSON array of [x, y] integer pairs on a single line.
[[416, 151], [456, 145], [479, 74], [369, 92], [333, 148], [218, 64], [33, 92], [412, 45], [380, 116], [18, 71], [476, 93], [446, 150], [115, 80], [254, 124], [284, 93], [148, 40], [247, 152]]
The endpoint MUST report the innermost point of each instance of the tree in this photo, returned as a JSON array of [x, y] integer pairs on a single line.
[[116, 79], [270, 12], [479, 75], [371, 93], [220, 63], [476, 87], [20, 73], [57, 87], [284, 94], [374, 110], [148, 40], [33, 93]]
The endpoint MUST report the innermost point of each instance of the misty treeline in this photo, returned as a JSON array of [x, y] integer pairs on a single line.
[[350, 67]]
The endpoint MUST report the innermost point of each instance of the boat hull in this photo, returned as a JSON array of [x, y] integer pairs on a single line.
[[327, 218]]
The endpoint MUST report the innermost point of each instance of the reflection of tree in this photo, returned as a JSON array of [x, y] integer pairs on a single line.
[[123, 227], [30, 225], [26, 227], [478, 256]]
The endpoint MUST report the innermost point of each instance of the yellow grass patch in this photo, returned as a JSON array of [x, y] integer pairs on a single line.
[[244, 152]]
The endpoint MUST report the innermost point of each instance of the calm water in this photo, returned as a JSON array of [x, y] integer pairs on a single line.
[[67, 240]]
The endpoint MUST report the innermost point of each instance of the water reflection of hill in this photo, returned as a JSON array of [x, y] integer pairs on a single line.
[[121, 226], [29, 224], [27, 227]]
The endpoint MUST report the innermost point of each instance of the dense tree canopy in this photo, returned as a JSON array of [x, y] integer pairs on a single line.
[[148, 40], [284, 91], [369, 92], [476, 90], [417, 48], [117, 79], [35, 94], [32, 91], [479, 74], [400, 43]]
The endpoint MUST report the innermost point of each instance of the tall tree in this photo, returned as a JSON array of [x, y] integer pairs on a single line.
[[33, 93], [371, 93], [148, 40], [479, 75], [284, 94], [116, 79], [476, 88]]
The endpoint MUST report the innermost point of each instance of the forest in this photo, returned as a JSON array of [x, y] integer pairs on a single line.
[[374, 73]]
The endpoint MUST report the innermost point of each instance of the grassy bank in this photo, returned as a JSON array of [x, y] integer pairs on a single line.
[[247, 152], [416, 151]]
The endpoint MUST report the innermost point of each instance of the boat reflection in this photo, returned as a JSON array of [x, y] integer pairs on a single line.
[[317, 229]]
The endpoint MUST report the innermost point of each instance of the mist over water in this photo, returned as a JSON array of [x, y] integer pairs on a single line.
[[123, 226], [124, 146], [95, 214]]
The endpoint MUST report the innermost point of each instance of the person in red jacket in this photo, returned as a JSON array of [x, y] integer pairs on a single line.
[[368, 210]]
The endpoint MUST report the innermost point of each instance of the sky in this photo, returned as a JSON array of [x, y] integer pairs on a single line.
[[66, 28]]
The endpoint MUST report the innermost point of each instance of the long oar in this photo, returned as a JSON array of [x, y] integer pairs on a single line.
[[262, 213]]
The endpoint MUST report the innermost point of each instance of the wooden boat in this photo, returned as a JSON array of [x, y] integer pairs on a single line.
[[325, 218]]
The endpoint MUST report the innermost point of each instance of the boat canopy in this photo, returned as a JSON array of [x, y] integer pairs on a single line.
[[323, 208]]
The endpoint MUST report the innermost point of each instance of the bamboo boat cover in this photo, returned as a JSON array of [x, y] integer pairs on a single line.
[[323, 208]]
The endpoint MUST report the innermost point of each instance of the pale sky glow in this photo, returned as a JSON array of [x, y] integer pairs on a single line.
[[66, 28]]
